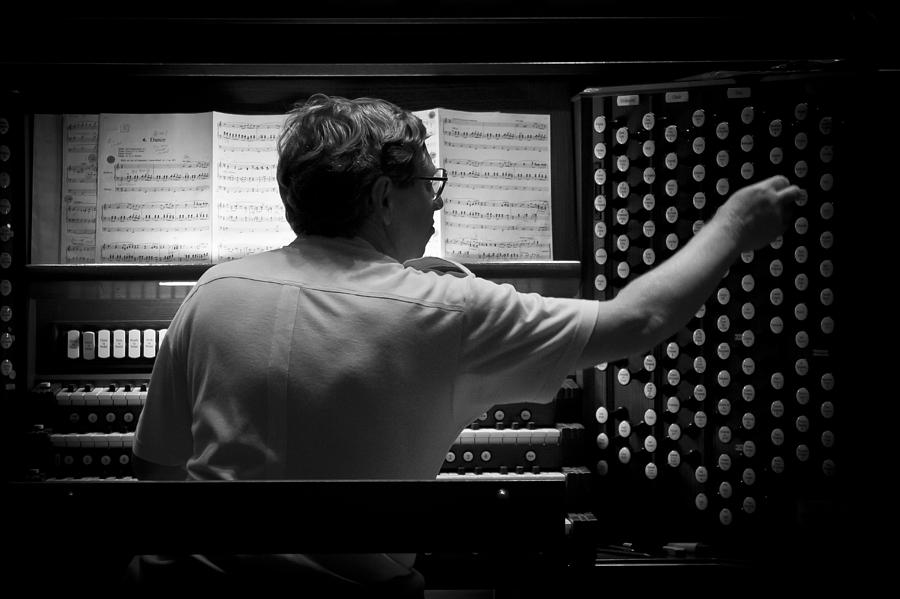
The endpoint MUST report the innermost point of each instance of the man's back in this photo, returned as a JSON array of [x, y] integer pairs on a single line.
[[326, 359], [314, 362]]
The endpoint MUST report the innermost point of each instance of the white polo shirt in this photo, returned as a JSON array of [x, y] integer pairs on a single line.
[[326, 359]]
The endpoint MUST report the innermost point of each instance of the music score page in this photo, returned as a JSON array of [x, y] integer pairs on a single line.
[[497, 201], [186, 188]]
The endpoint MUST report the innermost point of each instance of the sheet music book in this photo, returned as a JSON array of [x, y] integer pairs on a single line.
[[201, 187], [170, 188], [497, 201]]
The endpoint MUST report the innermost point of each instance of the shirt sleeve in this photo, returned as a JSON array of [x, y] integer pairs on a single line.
[[518, 347], [163, 433]]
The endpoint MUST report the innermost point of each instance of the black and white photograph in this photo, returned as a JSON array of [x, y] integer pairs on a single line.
[[448, 300]]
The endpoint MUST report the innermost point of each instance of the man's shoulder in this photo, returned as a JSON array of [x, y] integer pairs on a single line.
[[254, 266]]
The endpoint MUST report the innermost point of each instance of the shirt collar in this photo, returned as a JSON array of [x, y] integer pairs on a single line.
[[354, 245]]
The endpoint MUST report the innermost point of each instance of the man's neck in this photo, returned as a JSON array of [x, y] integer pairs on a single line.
[[379, 239]]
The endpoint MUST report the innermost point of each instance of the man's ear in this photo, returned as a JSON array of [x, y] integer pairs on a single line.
[[380, 197]]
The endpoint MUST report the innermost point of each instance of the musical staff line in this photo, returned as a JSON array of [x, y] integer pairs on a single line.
[[155, 252], [515, 124], [501, 147]]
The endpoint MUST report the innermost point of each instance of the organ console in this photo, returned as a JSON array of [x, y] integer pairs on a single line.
[[733, 432]]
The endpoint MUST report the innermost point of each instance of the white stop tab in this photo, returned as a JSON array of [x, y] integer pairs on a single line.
[[73, 344], [134, 343], [747, 114], [722, 130], [602, 441], [777, 408], [748, 505], [775, 127], [673, 459], [118, 343], [89, 345], [722, 186], [701, 474], [149, 343], [671, 133], [671, 187], [673, 432], [103, 343], [698, 118], [722, 158], [698, 145], [777, 380], [673, 404]]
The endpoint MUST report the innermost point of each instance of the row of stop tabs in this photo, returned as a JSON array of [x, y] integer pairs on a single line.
[[113, 343]]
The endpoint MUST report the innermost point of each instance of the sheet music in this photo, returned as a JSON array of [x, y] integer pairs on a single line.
[[497, 202], [78, 215], [248, 215], [154, 189]]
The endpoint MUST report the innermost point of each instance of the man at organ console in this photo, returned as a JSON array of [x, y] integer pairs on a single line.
[[331, 359]]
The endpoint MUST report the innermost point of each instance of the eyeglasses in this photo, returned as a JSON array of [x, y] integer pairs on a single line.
[[437, 181]]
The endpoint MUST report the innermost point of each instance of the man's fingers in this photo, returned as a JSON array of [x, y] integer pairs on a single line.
[[789, 194], [779, 182]]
